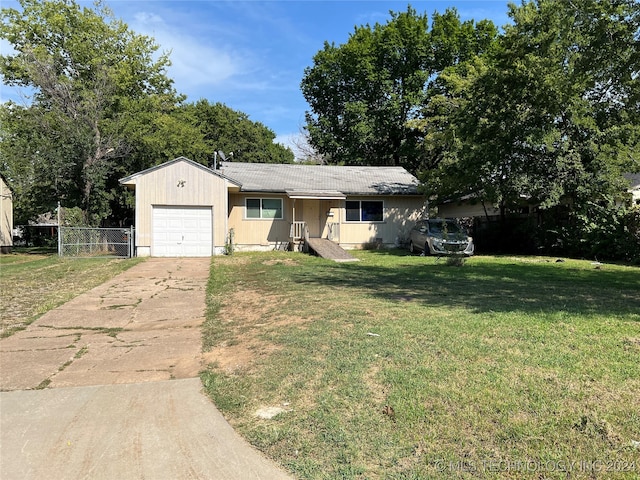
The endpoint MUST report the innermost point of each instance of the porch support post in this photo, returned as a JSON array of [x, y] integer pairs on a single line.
[[293, 207], [293, 221]]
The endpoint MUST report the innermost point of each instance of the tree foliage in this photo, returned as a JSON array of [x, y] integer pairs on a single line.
[[548, 117], [93, 80], [365, 94], [546, 113], [229, 130], [101, 107], [552, 113]]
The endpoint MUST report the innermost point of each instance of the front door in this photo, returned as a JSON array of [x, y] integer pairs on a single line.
[[311, 215], [329, 224]]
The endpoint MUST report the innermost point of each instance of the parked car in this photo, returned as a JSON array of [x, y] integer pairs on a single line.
[[439, 236]]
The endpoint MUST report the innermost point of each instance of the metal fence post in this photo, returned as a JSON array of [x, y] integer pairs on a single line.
[[131, 241], [59, 230]]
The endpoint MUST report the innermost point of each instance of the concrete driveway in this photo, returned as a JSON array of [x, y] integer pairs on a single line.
[[119, 394]]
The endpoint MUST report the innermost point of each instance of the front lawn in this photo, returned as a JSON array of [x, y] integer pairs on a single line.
[[404, 367]]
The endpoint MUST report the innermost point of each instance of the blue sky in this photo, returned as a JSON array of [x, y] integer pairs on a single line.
[[251, 55]]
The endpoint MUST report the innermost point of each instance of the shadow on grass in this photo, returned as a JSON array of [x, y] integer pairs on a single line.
[[486, 286], [35, 250]]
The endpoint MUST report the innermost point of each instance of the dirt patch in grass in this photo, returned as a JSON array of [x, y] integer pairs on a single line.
[[233, 260], [371, 380], [248, 316], [281, 261], [232, 358]]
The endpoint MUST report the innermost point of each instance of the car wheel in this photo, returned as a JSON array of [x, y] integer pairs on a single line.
[[426, 250], [412, 248]]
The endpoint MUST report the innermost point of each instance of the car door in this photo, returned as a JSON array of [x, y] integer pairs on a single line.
[[419, 235]]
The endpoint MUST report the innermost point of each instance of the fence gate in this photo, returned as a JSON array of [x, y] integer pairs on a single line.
[[95, 242]]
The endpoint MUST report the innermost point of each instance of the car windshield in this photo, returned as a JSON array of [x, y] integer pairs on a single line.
[[441, 226]]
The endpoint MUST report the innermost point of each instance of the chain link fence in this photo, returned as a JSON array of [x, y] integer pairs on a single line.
[[95, 242]]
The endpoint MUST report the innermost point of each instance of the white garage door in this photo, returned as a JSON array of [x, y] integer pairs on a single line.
[[182, 232]]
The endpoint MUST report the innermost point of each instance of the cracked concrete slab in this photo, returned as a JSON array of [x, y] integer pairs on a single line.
[[156, 308], [126, 357], [119, 396], [111, 431], [79, 320]]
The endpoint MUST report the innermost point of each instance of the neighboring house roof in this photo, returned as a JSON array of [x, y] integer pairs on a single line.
[[300, 181], [634, 185], [48, 219], [634, 180]]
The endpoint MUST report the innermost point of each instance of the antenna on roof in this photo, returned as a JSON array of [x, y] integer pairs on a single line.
[[223, 157]]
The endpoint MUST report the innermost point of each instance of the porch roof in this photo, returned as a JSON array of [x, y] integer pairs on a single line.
[[315, 194]]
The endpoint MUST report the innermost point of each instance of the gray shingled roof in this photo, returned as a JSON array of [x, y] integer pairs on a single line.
[[322, 180]]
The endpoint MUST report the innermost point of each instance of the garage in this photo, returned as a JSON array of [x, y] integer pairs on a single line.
[[180, 231]]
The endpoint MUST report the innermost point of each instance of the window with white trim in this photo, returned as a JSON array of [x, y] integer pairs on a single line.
[[265, 208], [365, 211]]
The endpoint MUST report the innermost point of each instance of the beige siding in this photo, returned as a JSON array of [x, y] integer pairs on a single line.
[[179, 184], [465, 209], [183, 183], [251, 232], [6, 220], [400, 213]]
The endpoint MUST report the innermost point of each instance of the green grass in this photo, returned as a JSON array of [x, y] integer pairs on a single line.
[[33, 284], [502, 368]]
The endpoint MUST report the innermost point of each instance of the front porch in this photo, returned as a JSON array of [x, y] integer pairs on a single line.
[[315, 214], [299, 234], [319, 210]]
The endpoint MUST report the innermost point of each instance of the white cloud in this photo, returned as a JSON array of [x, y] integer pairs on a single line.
[[291, 140], [197, 65], [143, 18], [195, 62], [297, 142]]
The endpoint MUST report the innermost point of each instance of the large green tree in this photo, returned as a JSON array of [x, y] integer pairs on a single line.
[[232, 131], [99, 96], [366, 94], [552, 114]]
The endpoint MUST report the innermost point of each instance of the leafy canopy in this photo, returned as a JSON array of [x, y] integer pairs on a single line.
[[365, 94], [228, 130], [101, 107], [92, 80], [551, 113]]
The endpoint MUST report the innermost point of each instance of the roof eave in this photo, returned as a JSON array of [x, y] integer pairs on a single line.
[[131, 180], [316, 194]]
